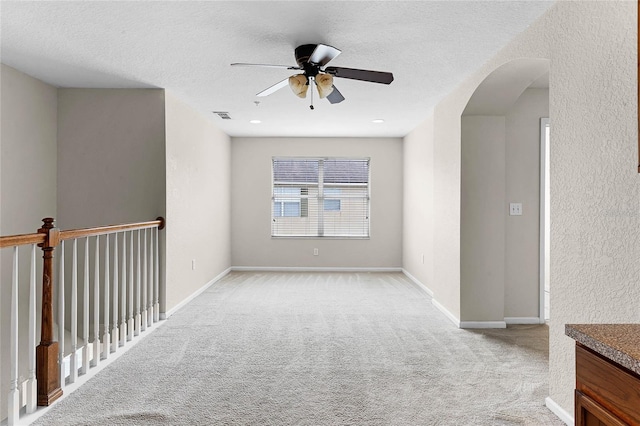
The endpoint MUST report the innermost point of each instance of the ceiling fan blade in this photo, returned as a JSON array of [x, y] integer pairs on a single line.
[[287, 67], [335, 97], [322, 54], [274, 88], [362, 75]]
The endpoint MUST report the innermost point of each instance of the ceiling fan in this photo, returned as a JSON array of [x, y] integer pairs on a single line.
[[312, 60]]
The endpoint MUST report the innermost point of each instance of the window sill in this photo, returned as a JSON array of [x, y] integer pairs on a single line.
[[315, 237]]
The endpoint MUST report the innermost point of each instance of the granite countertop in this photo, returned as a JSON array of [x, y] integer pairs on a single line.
[[618, 342]]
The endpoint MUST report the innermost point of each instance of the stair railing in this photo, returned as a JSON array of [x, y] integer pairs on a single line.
[[129, 286]]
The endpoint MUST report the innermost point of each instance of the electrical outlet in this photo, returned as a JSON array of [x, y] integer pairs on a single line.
[[515, 209], [315, 251]]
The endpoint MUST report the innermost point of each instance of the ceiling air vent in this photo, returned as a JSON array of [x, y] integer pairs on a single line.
[[223, 114]]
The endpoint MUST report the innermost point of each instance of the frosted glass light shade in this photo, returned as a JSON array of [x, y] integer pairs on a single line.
[[325, 84], [298, 84]]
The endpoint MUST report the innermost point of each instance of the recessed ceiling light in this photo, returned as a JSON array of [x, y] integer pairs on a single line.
[[378, 121], [255, 121]]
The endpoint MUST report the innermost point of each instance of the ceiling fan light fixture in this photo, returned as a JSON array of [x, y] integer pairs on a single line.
[[298, 84], [312, 60], [325, 85]]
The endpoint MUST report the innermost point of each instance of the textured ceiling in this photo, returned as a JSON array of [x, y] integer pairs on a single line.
[[186, 47]]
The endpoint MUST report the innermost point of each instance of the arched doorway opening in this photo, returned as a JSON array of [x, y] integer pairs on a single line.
[[501, 197]]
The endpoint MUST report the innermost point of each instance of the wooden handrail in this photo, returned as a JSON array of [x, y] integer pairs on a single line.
[[39, 238], [20, 240], [101, 230]]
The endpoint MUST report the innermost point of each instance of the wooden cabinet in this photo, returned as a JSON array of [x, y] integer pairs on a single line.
[[607, 394], [590, 413]]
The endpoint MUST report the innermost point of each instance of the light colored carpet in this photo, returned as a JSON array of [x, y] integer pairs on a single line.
[[318, 349]]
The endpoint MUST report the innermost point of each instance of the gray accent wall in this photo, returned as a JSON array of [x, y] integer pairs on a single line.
[[111, 167], [111, 162]]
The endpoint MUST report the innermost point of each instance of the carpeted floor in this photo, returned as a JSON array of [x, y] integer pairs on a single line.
[[318, 349]]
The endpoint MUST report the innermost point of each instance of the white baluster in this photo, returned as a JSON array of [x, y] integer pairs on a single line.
[[106, 338], [85, 310], [123, 304], [156, 278], [32, 384], [144, 283], [14, 393], [150, 283], [114, 317], [73, 367], [96, 305], [138, 317], [61, 316], [130, 319]]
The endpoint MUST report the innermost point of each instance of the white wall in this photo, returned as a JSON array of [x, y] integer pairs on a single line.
[[595, 188], [446, 194], [522, 235], [28, 179], [418, 203], [252, 245], [594, 183], [482, 245], [198, 200], [499, 252]]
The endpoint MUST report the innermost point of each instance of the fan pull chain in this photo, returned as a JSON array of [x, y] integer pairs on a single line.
[[312, 81]]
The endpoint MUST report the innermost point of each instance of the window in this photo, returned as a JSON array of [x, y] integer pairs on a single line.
[[331, 200], [320, 197], [286, 202]]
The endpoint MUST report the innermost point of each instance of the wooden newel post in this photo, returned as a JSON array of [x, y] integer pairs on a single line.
[[47, 366]]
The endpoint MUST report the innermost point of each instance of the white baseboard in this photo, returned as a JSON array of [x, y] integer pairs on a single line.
[[415, 280], [194, 295], [446, 312], [310, 269], [559, 411], [522, 320], [483, 324]]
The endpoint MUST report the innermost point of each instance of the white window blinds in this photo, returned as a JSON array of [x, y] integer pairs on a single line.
[[320, 197]]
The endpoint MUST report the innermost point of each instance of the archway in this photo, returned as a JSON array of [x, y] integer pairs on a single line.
[[500, 148]]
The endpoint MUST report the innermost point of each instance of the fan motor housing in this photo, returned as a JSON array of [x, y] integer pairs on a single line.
[[302, 54]]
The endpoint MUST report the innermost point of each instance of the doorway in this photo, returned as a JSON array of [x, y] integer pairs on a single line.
[[500, 144], [545, 221]]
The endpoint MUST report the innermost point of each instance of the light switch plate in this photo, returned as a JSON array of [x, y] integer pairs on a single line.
[[515, 209]]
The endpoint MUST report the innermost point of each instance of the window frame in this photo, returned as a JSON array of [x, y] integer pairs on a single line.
[[320, 184]]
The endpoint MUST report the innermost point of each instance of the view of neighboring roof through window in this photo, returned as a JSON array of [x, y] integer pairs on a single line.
[[302, 185]]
